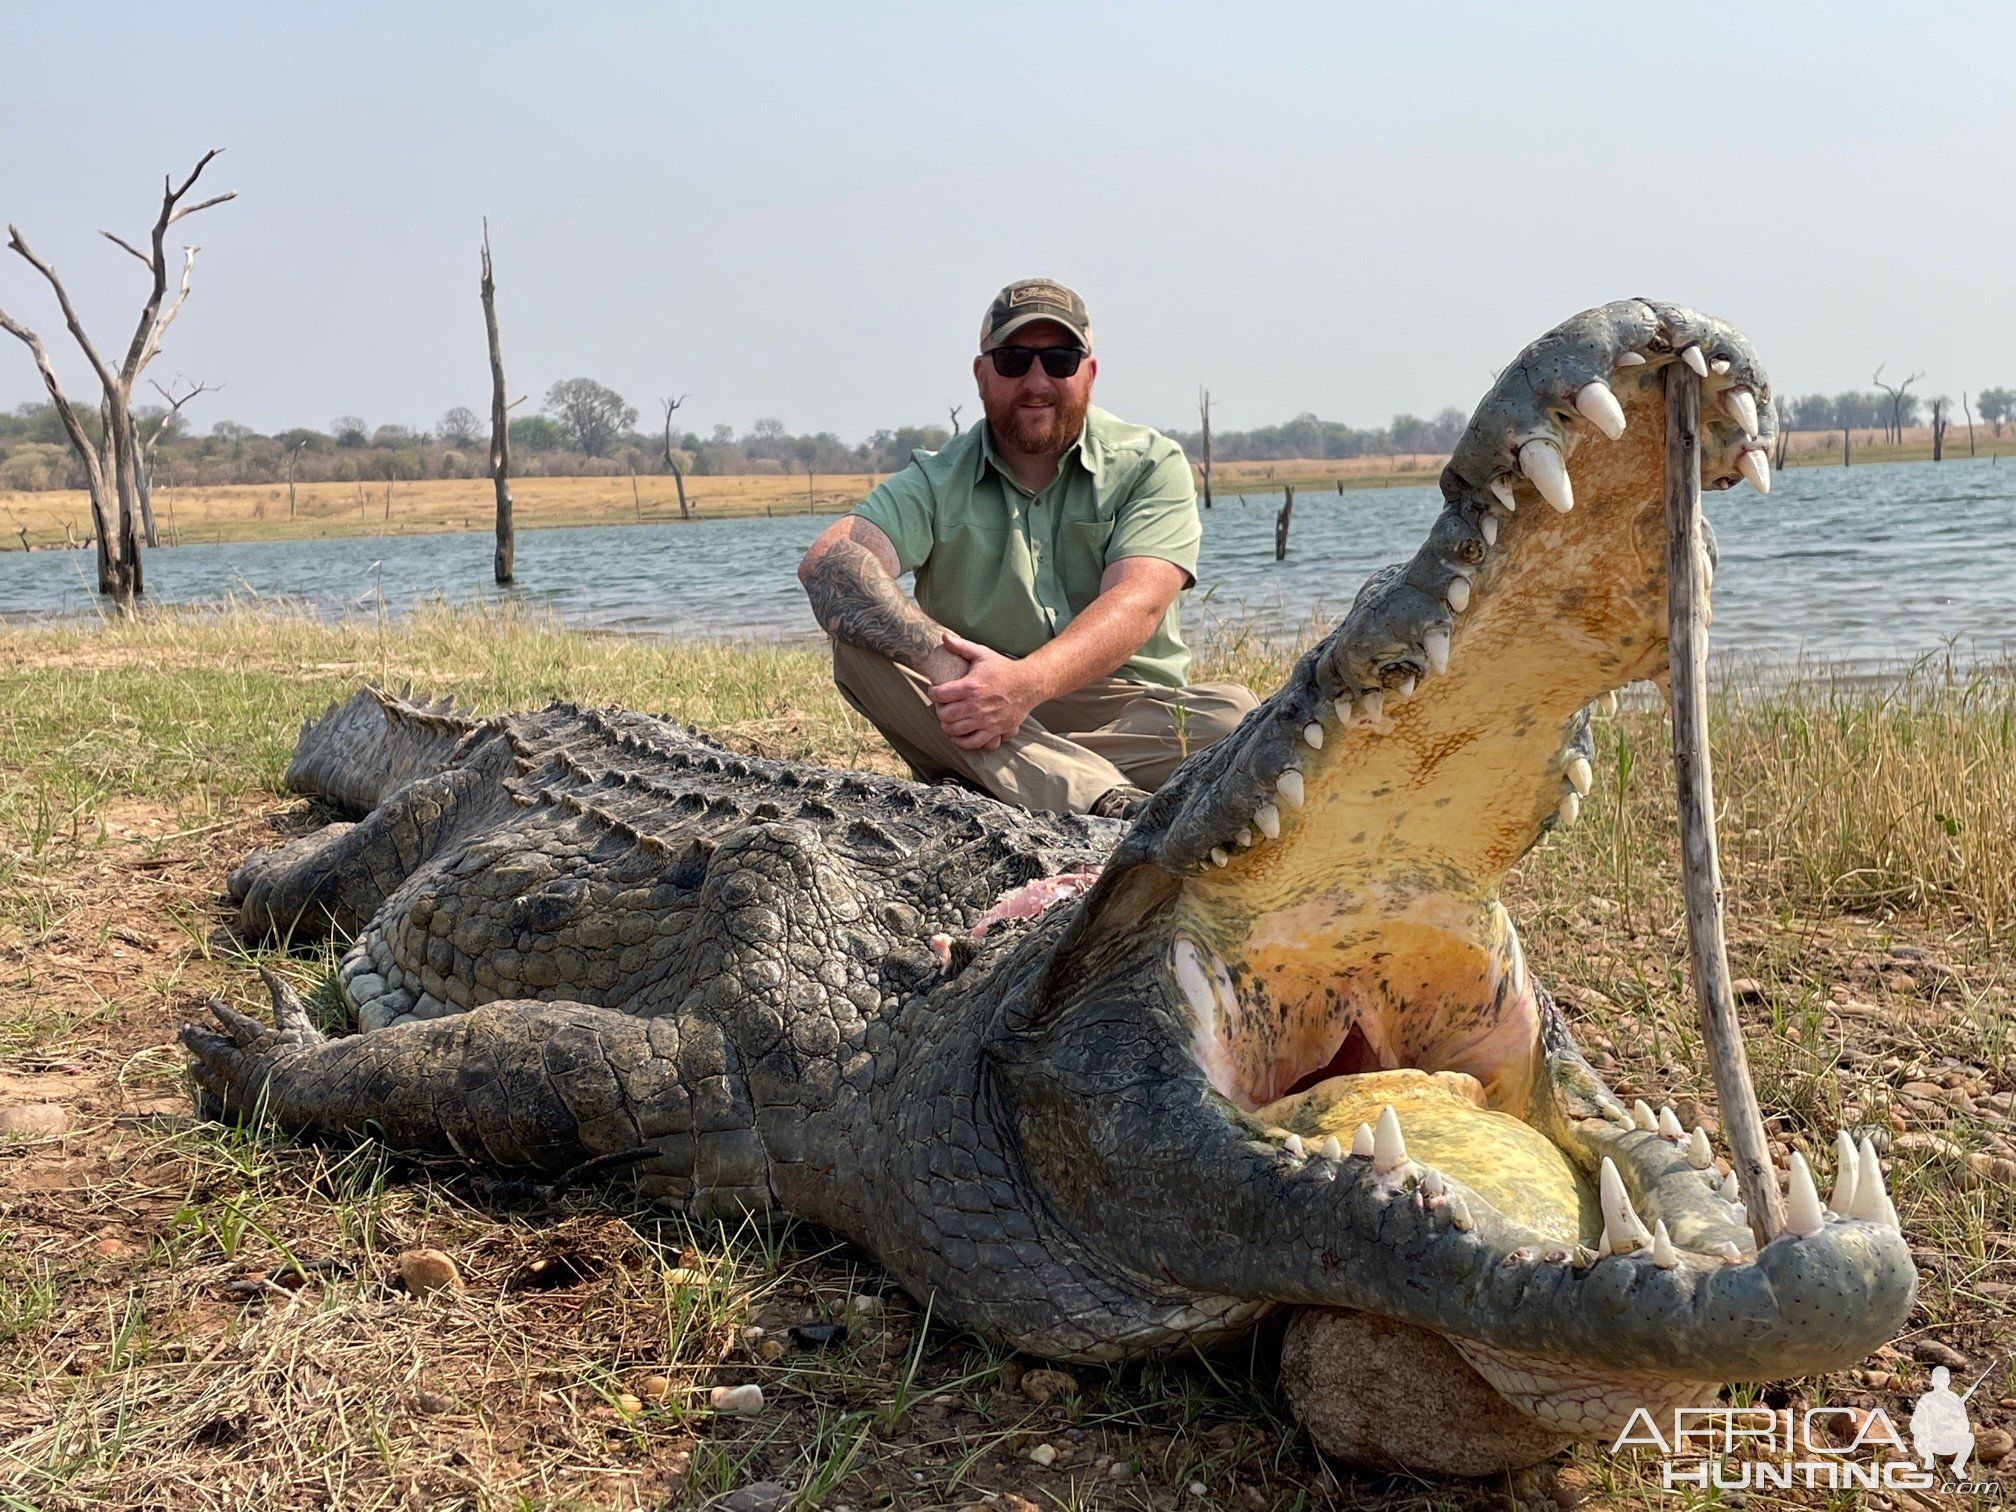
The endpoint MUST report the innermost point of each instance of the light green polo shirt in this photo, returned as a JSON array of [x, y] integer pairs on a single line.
[[1010, 569]]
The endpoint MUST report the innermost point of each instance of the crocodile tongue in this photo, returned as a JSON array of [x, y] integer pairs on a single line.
[[1512, 1165]]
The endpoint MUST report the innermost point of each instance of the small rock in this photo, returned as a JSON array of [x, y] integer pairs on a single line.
[[1747, 990], [1120, 1470], [654, 1388], [818, 1335], [753, 1335], [736, 1401], [1044, 1454], [1001, 1501], [426, 1271], [433, 1403], [627, 1404], [863, 1305], [110, 1247], [1042, 1385], [757, 1496], [770, 1351], [1198, 1488], [685, 1275], [34, 1120], [1992, 1445], [1253, 1497], [1932, 1352]]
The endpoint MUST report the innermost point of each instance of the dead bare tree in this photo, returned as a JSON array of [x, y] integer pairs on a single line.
[[505, 561], [293, 460], [1784, 437], [1939, 424], [955, 417], [1204, 414], [146, 473], [112, 466], [671, 459], [1281, 523], [1968, 411], [1896, 401]]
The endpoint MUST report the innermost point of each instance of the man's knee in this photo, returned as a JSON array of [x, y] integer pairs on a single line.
[[1211, 711]]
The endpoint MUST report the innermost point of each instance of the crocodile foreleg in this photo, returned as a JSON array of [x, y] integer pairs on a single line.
[[510, 1086], [330, 884]]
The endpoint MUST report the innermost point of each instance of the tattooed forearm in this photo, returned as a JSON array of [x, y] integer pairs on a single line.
[[855, 600]]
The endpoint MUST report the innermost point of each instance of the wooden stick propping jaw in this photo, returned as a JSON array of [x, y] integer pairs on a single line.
[[1700, 870]]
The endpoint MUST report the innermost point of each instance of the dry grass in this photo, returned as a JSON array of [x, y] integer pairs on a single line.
[[258, 511], [152, 1353]]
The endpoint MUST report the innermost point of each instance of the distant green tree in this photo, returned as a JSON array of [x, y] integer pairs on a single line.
[[350, 432], [1996, 405], [536, 433], [592, 417]]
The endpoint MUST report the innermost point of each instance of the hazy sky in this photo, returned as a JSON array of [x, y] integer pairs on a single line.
[[801, 210]]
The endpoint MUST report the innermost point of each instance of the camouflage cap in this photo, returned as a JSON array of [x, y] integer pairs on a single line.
[[1029, 300]]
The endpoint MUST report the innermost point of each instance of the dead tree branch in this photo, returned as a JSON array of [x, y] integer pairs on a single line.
[[505, 561], [671, 460], [114, 468], [1896, 394]]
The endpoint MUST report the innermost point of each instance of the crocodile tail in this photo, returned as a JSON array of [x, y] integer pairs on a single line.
[[373, 742]]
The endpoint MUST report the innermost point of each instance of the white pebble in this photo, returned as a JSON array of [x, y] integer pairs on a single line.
[[736, 1401], [1043, 1454]]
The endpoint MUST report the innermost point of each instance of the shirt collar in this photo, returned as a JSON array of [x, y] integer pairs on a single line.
[[986, 458]]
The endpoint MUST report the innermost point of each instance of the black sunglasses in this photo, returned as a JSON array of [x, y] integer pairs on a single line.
[[1058, 362]]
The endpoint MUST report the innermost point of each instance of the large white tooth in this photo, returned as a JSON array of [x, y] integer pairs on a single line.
[[1329, 1148], [1847, 1163], [1693, 358], [1405, 687], [1569, 809], [1289, 786], [1488, 526], [1606, 704], [1194, 978], [1803, 1214], [1389, 1150], [1293, 1147], [1243, 839], [1219, 855], [1431, 1183], [1579, 776], [1731, 1189], [1459, 1213], [1600, 408], [1669, 1124], [1622, 1231], [1719, 366], [1458, 594], [1630, 359], [1435, 646], [1872, 1198], [1728, 1251], [1700, 1153], [1742, 406], [1362, 1142], [1642, 1116], [1312, 733], [1547, 471], [1501, 490], [1755, 466], [1663, 1254], [1372, 706], [1268, 818], [1614, 1111]]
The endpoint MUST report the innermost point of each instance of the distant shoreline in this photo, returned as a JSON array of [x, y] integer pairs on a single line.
[[233, 513]]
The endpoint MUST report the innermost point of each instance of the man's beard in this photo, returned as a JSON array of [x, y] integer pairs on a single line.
[[1046, 430]]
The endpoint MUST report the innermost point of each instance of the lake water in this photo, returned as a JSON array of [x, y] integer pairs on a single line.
[[1863, 565]]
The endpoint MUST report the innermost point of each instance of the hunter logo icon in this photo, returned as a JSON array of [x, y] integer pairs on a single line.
[[1939, 1425]]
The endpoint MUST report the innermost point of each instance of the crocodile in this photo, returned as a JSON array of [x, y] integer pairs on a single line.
[[1099, 1088]]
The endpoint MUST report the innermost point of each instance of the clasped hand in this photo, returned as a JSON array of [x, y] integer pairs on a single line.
[[988, 703]]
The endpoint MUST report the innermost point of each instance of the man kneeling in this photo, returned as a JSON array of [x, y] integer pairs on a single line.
[[1042, 661]]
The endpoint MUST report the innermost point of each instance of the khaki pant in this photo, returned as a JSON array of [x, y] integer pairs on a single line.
[[1068, 752]]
